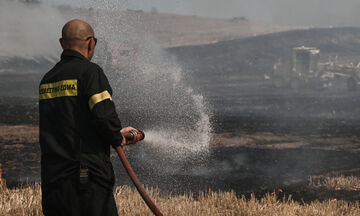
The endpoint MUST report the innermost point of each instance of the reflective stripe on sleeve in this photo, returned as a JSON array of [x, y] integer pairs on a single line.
[[96, 98], [58, 89]]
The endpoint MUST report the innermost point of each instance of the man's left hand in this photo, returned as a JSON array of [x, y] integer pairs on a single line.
[[128, 137]]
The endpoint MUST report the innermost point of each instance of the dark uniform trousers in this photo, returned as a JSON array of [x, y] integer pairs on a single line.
[[78, 125], [71, 198]]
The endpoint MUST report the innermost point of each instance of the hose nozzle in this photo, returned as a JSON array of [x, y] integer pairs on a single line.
[[141, 135]]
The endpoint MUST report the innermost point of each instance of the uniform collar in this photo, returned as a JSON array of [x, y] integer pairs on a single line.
[[72, 54]]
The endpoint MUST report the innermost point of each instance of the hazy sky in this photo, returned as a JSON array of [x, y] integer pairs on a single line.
[[293, 12]]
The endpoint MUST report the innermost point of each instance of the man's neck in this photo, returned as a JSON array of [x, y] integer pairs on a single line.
[[82, 52]]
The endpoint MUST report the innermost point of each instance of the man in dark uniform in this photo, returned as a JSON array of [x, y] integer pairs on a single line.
[[78, 124]]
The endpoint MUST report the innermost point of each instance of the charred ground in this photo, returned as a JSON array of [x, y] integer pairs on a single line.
[[264, 138]]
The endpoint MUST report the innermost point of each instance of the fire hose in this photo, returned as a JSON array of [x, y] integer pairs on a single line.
[[136, 181]]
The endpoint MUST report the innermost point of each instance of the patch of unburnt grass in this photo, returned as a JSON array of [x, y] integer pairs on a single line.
[[26, 200], [341, 182]]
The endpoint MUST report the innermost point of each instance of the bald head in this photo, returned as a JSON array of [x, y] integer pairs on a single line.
[[75, 32], [77, 35]]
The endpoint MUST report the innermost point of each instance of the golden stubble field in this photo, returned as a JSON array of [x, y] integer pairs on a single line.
[[26, 200]]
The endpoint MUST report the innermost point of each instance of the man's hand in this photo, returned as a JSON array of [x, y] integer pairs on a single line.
[[128, 137]]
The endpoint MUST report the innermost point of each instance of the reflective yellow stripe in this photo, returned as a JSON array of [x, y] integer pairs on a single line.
[[58, 89], [96, 98]]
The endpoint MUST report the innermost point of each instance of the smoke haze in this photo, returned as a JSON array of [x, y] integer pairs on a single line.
[[29, 30], [284, 12]]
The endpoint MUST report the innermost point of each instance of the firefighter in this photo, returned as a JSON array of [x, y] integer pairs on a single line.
[[78, 124]]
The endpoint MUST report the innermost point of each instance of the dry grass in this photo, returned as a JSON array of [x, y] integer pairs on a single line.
[[273, 141], [349, 183], [27, 201], [19, 133], [21, 201], [257, 140]]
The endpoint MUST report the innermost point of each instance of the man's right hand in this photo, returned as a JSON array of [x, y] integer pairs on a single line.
[[128, 137]]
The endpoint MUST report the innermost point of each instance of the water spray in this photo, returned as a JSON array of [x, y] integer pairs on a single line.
[[133, 176]]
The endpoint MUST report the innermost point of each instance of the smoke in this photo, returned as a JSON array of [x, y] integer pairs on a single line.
[[29, 30], [319, 13], [284, 12]]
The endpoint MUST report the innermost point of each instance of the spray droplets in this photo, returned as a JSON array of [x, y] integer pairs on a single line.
[[151, 93]]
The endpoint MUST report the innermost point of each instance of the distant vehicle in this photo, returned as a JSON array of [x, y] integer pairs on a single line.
[[305, 70]]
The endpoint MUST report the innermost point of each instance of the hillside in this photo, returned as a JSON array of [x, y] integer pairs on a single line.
[[172, 30], [258, 54]]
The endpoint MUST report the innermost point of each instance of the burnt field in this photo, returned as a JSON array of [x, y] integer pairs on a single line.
[[248, 153], [263, 139]]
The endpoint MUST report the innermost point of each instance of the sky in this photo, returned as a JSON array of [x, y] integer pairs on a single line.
[[283, 12]]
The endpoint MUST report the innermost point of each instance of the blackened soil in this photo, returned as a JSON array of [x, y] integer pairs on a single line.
[[18, 110], [258, 171], [245, 170], [20, 162]]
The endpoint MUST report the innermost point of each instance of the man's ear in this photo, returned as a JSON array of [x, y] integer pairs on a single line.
[[62, 43], [90, 47], [90, 50]]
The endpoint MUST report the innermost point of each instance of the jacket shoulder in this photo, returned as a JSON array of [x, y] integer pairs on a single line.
[[92, 69]]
